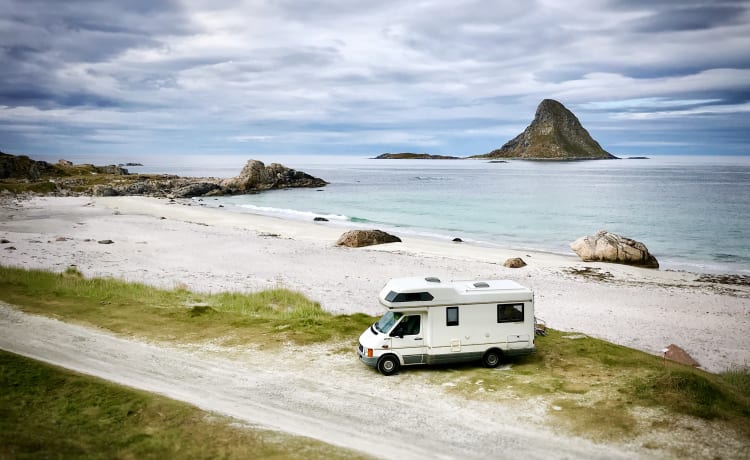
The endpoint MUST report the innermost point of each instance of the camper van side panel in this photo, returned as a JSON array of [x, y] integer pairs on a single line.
[[477, 330]]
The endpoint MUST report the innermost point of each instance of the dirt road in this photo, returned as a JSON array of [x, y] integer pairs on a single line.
[[309, 391]]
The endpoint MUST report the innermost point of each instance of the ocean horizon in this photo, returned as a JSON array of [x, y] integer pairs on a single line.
[[692, 212]]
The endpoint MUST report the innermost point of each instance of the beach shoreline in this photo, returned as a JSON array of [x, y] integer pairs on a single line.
[[208, 249]]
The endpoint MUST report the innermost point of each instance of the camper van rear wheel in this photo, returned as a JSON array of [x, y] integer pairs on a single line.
[[492, 358], [388, 365]]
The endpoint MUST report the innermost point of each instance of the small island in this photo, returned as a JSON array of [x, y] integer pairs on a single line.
[[414, 156], [555, 134]]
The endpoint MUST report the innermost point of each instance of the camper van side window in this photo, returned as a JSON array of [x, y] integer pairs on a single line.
[[408, 297], [451, 316], [510, 313]]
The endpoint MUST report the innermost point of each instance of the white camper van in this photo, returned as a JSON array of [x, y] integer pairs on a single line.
[[430, 321]]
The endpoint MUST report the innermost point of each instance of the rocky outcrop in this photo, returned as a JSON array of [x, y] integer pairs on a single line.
[[360, 238], [256, 177], [554, 134], [66, 179], [22, 167], [609, 247]]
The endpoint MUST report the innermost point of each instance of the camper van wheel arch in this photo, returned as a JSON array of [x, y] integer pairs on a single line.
[[388, 364], [492, 357]]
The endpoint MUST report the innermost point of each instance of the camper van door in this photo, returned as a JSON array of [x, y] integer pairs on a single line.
[[407, 338]]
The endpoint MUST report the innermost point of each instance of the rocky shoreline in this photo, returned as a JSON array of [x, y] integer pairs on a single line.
[[22, 175]]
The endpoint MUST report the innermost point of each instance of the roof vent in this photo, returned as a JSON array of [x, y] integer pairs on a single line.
[[481, 284], [432, 279]]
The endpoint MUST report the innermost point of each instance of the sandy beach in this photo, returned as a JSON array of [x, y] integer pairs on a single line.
[[210, 249]]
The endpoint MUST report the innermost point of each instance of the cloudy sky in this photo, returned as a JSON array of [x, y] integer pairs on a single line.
[[364, 77]]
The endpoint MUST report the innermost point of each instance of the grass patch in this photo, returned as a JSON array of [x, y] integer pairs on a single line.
[[47, 412], [267, 318], [592, 387]]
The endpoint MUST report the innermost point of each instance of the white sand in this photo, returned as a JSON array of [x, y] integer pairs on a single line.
[[214, 250]]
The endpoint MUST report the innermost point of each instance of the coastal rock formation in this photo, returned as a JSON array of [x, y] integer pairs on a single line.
[[609, 247], [360, 238], [554, 134], [514, 262], [22, 167], [20, 174], [414, 156], [256, 176]]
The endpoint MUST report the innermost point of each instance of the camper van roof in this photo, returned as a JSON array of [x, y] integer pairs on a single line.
[[427, 291]]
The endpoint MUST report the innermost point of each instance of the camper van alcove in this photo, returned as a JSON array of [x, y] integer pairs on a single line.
[[430, 322]]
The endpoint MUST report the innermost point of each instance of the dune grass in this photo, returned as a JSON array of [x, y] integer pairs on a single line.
[[48, 412], [266, 319]]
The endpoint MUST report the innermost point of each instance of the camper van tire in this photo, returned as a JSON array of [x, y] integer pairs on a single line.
[[388, 364], [492, 358]]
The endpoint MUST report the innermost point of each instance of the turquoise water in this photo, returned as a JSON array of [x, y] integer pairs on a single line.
[[692, 213]]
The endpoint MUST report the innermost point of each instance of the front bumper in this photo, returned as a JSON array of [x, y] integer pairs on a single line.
[[372, 362]]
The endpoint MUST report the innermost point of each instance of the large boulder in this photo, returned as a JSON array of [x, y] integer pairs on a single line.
[[359, 238], [514, 262], [195, 189], [256, 176], [609, 247]]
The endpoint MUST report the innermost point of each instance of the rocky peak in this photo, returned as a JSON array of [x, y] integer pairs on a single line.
[[554, 134]]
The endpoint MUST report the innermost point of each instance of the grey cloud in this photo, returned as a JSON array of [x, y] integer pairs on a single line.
[[40, 38], [690, 18], [417, 70]]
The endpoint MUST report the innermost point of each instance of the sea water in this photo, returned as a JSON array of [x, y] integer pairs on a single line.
[[693, 213]]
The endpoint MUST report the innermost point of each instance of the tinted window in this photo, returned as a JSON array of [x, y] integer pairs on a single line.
[[408, 297], [510, 313], [451, 316], [410, 325]]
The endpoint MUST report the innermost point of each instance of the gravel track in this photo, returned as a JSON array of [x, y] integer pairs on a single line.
[[305, 391]]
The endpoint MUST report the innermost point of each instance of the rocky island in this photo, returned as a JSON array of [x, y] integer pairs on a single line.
[[21, 174], [554, 134]]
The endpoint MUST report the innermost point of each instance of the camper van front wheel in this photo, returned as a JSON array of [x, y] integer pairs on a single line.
[[388, 365], [492, 358]]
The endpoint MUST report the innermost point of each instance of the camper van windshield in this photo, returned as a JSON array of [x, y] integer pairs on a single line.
[[387, 321]]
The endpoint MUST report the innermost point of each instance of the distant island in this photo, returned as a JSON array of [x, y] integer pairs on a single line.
[[414, 156], [554, 134]]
